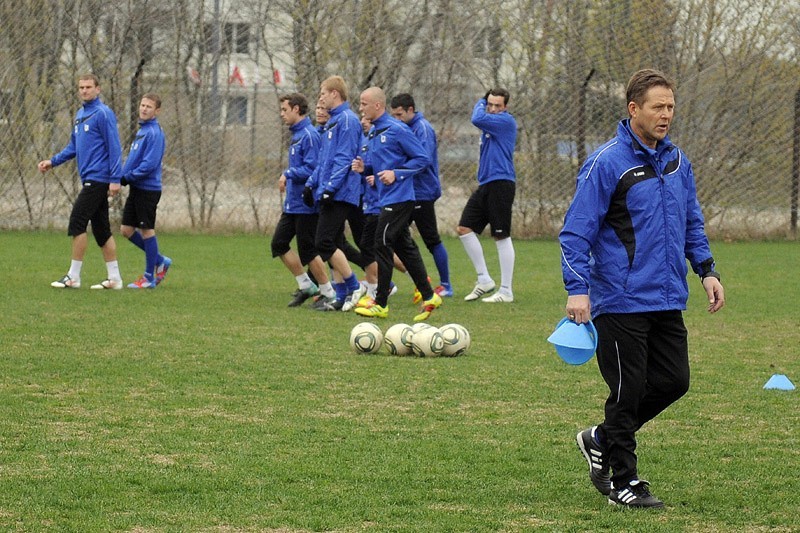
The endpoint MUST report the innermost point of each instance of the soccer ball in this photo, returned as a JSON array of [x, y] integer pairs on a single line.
[[366, 337], [427, 342], [398, 339], [456, 340], [418, 326]]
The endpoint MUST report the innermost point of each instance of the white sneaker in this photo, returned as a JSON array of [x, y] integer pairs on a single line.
[[499, 297], [354, 297], [115, 284], [66, 282], [479, 290]]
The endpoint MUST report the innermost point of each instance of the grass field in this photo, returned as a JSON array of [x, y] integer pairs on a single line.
[[207, 405]]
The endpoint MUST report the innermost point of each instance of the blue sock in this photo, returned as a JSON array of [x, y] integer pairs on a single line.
[[137, 239], [442, 264], [151, 256], [341, 291], [352, 283]]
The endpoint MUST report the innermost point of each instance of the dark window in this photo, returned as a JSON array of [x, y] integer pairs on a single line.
[[237, 110]]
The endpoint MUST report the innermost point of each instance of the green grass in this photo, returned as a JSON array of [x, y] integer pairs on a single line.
[[207, 405]]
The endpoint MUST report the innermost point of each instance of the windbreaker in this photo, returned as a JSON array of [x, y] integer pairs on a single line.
[[498, 139], [634, 221], [304, 151], [142, 169], [393, 146], [341, 141], [370, 200], [95, 143], [427, 186]]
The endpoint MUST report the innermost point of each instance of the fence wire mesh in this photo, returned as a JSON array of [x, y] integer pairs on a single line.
[[220, 65]]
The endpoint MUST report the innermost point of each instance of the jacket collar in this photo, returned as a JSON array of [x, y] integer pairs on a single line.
[[663, 146], [303, 123]]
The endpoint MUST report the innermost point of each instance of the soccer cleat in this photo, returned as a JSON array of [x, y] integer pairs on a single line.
[[445, 291], [142, 283], [393, 289], [418, 295], [352, 299], [479, 290], [498, 297], [366, 301], [635, 494], [328, 304], [161, 269], [376, 311], [66, 282], [428, 306], [595, 455], [301, 295], [115, 284]]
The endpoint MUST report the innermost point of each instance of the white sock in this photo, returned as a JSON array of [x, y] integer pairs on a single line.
[[75, 270], [505, 252], [303, 281], [475, 253], [112, 267], [371, 289], [326, 289]]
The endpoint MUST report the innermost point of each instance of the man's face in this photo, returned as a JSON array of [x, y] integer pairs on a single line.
[[290, 115], [366, 124], [327, 97], [651, 121], [368, 107], [495, 104], [322, 114], [147, 109], [88, 90], [403, 114]]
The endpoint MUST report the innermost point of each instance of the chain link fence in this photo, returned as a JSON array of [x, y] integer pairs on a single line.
[[220, 65]]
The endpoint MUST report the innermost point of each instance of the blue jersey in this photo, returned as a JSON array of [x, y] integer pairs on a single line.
[[95, 144], [341, 141], [633, 223], [142, 169], [393, 146], [304, 151], [370, 202], [427, 186], [498, 139]]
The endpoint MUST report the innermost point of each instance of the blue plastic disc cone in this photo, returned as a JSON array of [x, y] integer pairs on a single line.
[[779, 382], [575, 343]]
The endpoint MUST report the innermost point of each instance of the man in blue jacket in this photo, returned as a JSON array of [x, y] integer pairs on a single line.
[[395, 156], [335, 187], [491, 203], [95, 144], [634, 222], [427, 189], [297, 219], [142, 171]]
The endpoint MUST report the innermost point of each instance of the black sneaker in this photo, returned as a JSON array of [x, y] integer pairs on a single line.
[[635, 494], [328, 304], [595, 455], [301, 295]]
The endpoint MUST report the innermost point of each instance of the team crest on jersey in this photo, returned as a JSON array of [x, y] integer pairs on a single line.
[[85, 127], [292, 150], [383, 139], [330, 135]]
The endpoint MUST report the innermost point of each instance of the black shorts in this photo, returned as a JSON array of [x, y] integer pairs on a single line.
[[140, 208], [424, 217], [290, 226], [330, 227], [91, 205], [490, 204], [367, 243]]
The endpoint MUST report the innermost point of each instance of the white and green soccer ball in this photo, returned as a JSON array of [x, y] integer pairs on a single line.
[[366, 337], [427, 342], [456, 339], [397, 339]]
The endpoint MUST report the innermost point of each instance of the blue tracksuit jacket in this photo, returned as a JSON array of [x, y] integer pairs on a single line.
[[341, 141], [304, 150], [370, 202], [498, 139], [142, 169], [393, 146], [426, 184], [95, 143], [633, 223]]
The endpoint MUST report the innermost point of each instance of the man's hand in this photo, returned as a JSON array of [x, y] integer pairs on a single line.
[[327, 198], [387, 177], [370, 180], [44, 166], [282, 183], [579, 309], [715, 293], [308, 196], [357, 165], [113, 189]]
